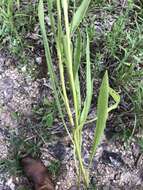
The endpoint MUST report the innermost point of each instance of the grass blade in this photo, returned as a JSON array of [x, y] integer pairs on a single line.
[[102, 114]]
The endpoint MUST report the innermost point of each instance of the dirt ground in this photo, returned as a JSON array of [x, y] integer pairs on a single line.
[[117, 165]]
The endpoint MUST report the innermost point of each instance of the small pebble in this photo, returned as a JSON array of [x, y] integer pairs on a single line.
[[112, 158]]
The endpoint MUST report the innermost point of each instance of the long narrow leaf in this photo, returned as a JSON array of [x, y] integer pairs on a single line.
[[89, 86], [46, 44], [70, 60], [79, 14], [78, 92], [66, 101], [102, 114], [61, 67], [49, 62], [77, 60], [116, 98], [77, 53], [52, 20]]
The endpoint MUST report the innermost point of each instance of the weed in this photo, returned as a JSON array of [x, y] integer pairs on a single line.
[[68, 46], [116, 36], [120, 50], [17, 20], [46, 112], [19, 147], [10, 165], [16, 115], [124, 45], [54, 168]]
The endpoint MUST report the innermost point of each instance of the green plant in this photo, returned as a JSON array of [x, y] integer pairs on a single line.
[[124, 47], [16, 21], [54, 167], [19, 146], [45, 112], [7, 18], [68, 45]]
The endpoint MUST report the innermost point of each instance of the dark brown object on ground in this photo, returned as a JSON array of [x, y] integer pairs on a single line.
[[37, 173]]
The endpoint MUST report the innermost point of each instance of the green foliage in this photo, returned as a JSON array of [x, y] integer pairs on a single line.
[[116, 36], [89, 87], [118, 50], [18, 147], [46, 112], [10, 165], [68, 46], [7, 19], [54, 167], [16, 21], [79, 14], [102, 113], [92, 187], [124, 47], [48, 119]]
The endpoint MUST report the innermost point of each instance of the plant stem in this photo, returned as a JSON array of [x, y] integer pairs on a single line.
[[68, 40], [61, 69], [84, 172]]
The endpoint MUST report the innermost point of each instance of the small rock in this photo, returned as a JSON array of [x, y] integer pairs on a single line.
[[39, 60], [58, 150], [112, 158], [135, 149], [47, 19], [24, 68], [10, 184]]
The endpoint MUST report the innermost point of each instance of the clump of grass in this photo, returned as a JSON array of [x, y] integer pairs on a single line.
[[46, 112], [16, 21], [68, 45], [120, 51], [7, 18], [19, 146], [124, 46], [54, 167]]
